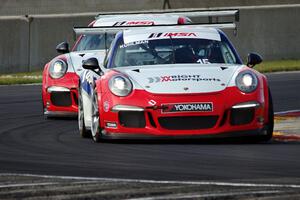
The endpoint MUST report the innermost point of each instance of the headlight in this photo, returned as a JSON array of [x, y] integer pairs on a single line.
[[120, 85], [246, 81], [58, 69]]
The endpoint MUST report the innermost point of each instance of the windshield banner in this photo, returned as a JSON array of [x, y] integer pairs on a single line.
[[131, 38]]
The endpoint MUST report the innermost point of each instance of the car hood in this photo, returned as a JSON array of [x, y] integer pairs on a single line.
[[75, 58], [181, 78]]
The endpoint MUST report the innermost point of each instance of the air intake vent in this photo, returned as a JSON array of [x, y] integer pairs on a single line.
[[188, 123], [132, 119], [61, 98]]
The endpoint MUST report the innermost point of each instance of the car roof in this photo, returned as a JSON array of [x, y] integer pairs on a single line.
[[163, 32], [136, 19]]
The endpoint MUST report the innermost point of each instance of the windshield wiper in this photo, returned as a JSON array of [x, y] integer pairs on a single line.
[[152, 52], [105, 42], [173, 50]]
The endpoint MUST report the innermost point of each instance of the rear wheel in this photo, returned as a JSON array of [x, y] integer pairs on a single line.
[[84, 133], [95, 128]]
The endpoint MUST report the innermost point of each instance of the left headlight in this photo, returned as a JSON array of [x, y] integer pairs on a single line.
[[120, 85], [58, 69], [246, 81]]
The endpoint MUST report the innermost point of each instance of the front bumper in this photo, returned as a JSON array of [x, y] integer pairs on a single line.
[[142, 113], [60, 97], [142, 136]]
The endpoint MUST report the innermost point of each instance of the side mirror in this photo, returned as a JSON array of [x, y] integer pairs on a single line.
[[253, 59], [63, 48], [91, 63]]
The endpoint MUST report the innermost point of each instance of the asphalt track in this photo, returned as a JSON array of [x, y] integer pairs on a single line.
[[32, 145]]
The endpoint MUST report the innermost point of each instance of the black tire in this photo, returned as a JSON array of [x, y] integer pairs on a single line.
[[83, 131], [269, 127], [95, 127], [44, 109]]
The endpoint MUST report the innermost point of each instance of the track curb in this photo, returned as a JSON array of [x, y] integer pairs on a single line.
[[290, 132]]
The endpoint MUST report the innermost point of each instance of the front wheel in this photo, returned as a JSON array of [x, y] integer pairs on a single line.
[[270, 125], [95, 126], [84, 133]]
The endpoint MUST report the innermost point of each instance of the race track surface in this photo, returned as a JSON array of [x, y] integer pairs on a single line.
[[33, 145], [285, 88]]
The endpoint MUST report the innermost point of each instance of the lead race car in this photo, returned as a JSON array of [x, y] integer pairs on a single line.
[[177, 81], [88, 77], [61, 74]]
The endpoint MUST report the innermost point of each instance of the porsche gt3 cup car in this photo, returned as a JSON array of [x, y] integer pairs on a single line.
[[88, 77], [178, 81], [61, 74]]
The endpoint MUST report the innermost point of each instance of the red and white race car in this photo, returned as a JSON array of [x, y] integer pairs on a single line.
[[61, 74], [178, 81]]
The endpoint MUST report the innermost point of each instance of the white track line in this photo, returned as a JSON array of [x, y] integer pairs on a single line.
[[193, 196], [232, 184], [41, 184], [286, 112], [27, 185]]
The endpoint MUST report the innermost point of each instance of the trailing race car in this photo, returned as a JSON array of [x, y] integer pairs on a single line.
[[61, 74], [177, 81]]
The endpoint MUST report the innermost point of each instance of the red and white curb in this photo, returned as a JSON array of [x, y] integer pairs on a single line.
[[287, 126]]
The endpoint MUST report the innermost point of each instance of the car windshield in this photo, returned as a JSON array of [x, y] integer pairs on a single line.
[[95, 42], [173, 51]]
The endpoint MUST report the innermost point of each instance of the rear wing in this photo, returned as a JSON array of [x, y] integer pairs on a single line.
[[209, 14], [115, 29], [222, 19]]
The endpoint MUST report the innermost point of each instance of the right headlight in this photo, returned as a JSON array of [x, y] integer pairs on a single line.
[[120, 85], [246, 81], [58, 69]]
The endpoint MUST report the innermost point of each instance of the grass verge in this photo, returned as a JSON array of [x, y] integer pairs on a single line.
[[278, 66], [36, 77], [21, 78]]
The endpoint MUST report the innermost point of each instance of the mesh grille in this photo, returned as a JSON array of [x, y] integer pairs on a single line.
[[188, 123], [242, 116], [132, 119], [61, 98]]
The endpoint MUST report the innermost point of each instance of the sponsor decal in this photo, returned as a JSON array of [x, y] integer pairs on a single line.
[[134, 43], [188, 107], [140, 23], [170, 34], [203, 61], [134, 23], [175, 78]]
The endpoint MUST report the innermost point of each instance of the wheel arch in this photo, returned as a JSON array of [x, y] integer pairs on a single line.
[[267, 97]]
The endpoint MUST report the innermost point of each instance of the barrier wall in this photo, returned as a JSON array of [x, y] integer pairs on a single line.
[[14, 45], [46, 33], [271, 31], [30, 7]]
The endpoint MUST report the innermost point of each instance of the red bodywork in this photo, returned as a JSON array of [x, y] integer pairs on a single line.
[[222, 101], [69, 81]]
